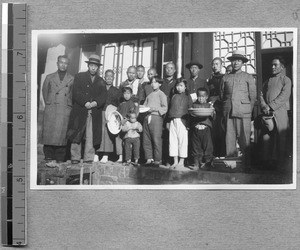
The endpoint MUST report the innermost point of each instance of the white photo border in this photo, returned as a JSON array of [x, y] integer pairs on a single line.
[[33, 114]]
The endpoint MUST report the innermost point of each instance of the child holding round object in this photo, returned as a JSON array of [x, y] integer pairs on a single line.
[[202, 145]]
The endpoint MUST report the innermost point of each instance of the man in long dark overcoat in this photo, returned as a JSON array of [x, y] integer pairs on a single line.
[[89, 97], [57, 94]]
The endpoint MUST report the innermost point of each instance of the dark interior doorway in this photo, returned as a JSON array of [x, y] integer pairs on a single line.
[[267, 56]]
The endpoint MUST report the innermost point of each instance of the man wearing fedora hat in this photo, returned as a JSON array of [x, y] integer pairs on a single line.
[[89, 97], [238, 95], [195, 82]]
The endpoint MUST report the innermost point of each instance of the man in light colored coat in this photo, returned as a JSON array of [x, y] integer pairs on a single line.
[[237, 95], [274, 99], [57, 94]]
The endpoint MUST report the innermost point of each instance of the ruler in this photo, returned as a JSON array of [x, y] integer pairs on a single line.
[[13, 126]]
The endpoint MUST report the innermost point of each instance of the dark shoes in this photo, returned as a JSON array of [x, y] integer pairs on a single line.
[[205, 166], [156, 164], [129, 163], [149, 162], [194, 167], [135, 164], [88, 162], [51, 164]]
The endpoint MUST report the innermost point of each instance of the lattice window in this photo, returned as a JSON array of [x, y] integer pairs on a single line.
[[226, 42], [119, 56], [273, 39]]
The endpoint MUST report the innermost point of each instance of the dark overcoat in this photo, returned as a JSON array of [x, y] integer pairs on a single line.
[[58, 104], [193, 85], [84, 90], [114, 96]]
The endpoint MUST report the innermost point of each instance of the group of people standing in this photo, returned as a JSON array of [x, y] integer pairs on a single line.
[[75, 112]]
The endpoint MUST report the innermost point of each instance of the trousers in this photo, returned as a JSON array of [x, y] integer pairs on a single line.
[[218, 136], [237, 129], [178, 140], [152, 137], [132, 144], [202, 145], [89, 150]]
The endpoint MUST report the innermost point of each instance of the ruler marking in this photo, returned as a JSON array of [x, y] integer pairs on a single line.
[[14, 226]]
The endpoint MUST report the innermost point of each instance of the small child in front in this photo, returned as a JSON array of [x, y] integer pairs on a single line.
[[153, 122], [202, 146], [132, 138], [128, 105], [178, 115]]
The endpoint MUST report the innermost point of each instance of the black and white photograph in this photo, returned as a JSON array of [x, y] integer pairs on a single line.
[[163, 109]]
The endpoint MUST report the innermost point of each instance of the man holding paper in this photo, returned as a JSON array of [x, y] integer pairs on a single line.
[[195, 81]]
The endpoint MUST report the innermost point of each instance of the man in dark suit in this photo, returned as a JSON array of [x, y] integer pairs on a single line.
[[168, 87], [57, 94], [195, 82], [238, 95], [89, 97], [218, 132]]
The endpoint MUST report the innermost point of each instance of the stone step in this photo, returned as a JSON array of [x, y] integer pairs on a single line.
[[115, 173]]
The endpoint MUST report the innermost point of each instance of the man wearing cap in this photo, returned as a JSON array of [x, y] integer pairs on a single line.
[[238, 95], [89, 97], [274, 100], [195, 81]]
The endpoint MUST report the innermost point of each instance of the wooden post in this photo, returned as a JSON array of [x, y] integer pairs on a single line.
[[179, 55], [81, 176]]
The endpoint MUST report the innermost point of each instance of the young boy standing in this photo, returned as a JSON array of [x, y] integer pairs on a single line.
[[153, 123], [132, 138], [202, 146]]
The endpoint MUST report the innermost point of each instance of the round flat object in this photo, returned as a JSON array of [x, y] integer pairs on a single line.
[[143, 109], [109, 109], [114, 122], [201, 112]]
